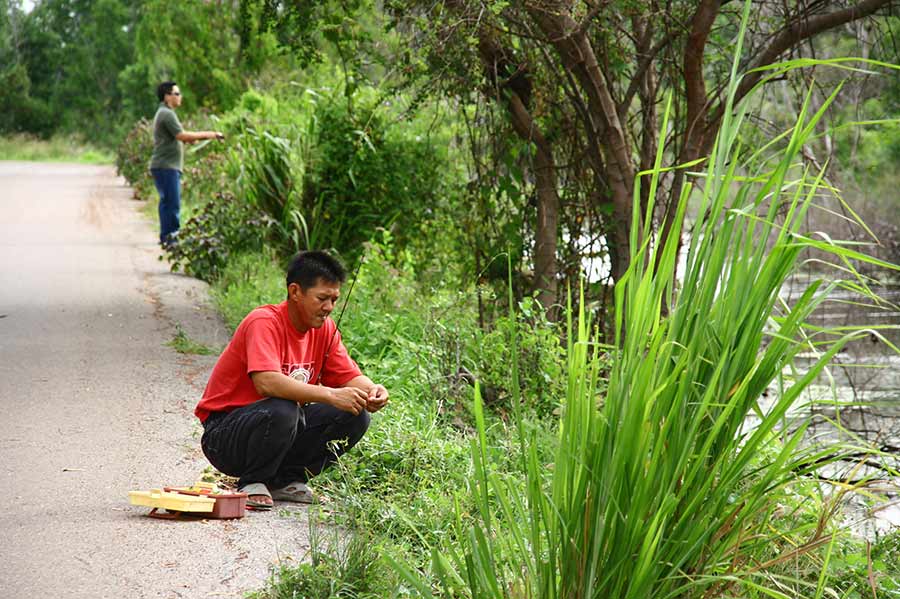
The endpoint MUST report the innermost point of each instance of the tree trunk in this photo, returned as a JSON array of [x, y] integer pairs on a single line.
[[546, 186], [546, 232], [578, 57]]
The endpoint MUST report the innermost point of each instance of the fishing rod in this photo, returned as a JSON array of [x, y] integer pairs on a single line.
[[337, 324]]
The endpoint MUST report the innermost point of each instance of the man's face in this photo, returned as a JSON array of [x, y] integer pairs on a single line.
[[314, 304], [173, 98]]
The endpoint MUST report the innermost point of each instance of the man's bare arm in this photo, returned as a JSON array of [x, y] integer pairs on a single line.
[[270, 383], [192, 136]]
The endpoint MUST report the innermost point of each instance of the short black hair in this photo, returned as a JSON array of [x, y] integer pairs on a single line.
[[308, 267], [164, 88]]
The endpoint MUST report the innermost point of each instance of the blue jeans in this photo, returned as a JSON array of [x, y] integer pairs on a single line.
[[276, 442], [168, 184]]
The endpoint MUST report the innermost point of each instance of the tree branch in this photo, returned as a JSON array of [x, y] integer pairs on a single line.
[[643, 65], [794, 33], [586, 22], [694, 83]]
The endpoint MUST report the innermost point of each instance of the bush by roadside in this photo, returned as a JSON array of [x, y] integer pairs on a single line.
[[297, 172]]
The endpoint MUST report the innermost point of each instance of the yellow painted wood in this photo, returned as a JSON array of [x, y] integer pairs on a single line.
[[171, 501]]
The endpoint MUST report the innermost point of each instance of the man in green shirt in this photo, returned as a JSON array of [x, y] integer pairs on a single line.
[[168, 158]]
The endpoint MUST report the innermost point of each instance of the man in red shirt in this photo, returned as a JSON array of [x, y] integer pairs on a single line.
[[285, 399]]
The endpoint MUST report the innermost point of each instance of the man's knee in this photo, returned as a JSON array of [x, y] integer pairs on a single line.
[[284, 414], [358, 425]]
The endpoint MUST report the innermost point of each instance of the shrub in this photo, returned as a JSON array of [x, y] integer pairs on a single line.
[[362, 175], [223, 227], [133, 158], [542, 380], [345, 568], [268, 182]]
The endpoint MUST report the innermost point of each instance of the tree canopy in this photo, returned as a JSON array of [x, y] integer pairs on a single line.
[[583, 84]]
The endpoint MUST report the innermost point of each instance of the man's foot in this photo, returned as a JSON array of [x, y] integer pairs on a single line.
[[297, 491], [170, 242], [258, 496]]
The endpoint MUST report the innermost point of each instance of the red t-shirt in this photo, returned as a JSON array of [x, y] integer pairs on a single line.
[[266, 340]]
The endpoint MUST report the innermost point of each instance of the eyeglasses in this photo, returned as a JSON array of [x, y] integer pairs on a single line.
[[174, 93]]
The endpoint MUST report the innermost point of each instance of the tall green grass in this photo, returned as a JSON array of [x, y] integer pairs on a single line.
[[56, 149], [659, 487]]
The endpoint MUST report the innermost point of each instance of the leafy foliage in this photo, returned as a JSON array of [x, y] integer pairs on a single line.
[[224, 226], [858, 569], [538, 352], [133, 158], [92, 67], [581, 87], [192, 43], [362, 175], [69, 56], [341, 569], [264, 165], [312, 175], [269, 183]]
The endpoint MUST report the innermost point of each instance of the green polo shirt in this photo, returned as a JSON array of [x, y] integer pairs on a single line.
[[168, 152]]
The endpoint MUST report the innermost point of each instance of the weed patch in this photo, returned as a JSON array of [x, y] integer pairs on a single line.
[[183, 344], [55, 149]]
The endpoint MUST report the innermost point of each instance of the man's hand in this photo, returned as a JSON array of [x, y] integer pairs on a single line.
[[377, 398], [349, 399]]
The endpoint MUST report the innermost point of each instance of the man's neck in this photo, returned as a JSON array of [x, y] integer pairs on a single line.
[[295, 319]]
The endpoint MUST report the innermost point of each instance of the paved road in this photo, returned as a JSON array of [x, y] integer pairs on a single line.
[[94, 404]]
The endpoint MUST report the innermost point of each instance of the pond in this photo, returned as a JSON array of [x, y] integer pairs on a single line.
[[858, 400]]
